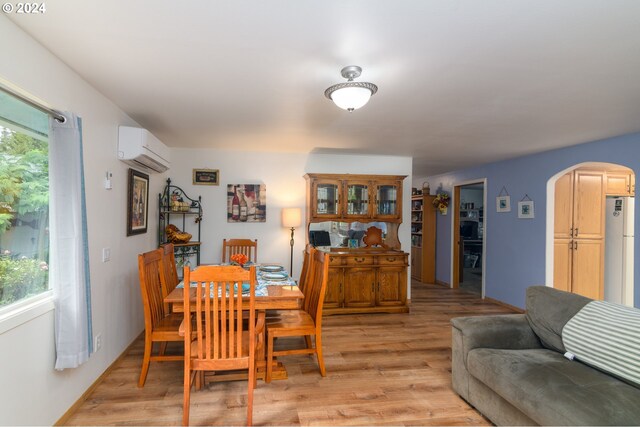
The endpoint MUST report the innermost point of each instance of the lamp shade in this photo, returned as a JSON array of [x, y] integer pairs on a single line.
[[291, 217]]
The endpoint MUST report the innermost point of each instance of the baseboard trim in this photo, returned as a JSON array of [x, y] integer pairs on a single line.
[[504, 304], [441, 283], [72, 410]]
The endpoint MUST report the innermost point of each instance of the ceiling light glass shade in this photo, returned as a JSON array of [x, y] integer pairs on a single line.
[[351, 95]]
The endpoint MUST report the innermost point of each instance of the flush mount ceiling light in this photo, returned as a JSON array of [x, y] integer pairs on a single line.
[[351, 95]]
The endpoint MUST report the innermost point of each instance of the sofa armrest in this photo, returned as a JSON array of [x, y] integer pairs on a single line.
[[509, 332]]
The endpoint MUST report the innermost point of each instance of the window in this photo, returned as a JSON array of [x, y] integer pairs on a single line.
[[24, 201]]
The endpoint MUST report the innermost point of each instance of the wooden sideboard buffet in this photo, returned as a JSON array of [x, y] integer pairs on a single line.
[[365, 279]]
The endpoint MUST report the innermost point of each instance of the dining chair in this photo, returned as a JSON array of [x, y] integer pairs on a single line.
[[159, 325], [305, 274], [247, 247], [306, 322], [169, 279], [222, 341]]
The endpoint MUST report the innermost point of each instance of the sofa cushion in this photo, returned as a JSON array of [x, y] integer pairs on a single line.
[[553, 390], [606, 336], [548, 310]]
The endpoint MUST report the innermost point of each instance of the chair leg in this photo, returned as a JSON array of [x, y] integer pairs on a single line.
[[307, 339], [251, 385], [186, 394], [269, 358], [146, 359], [163, 347], [319, 354]]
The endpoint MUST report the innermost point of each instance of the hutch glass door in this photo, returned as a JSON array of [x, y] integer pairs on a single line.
[[387, 201], [357, 200], [326, 199]]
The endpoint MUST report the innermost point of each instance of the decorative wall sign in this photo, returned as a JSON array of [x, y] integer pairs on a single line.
[[137, 202], [246, 203], [206, 177]]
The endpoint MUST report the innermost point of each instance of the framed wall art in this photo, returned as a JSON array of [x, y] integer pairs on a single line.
[[137, 202], [206, 177], [503, 204], [246, 203], [525, 209], [503, 201]]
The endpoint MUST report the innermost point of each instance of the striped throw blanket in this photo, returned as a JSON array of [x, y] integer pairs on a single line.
[[606, 336]]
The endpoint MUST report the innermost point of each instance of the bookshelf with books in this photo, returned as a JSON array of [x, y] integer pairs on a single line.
[[423, 238]]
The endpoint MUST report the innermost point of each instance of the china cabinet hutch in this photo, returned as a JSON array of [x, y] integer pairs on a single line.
[[368, 279], [354, 197], [177, 208]]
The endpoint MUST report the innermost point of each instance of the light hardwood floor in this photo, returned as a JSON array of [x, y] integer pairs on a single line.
[[382, 369]]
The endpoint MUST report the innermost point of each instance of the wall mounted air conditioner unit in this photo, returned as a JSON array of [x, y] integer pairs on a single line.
[[139, 148]]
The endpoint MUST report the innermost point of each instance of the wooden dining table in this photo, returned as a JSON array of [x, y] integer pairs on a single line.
[[279, 297], [272, 296]]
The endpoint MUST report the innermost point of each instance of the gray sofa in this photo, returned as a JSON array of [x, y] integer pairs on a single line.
[[512, 368]]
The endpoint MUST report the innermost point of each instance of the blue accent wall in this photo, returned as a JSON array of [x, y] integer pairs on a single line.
[[515, 248]]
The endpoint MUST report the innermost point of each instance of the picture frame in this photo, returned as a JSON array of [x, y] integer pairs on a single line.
[[353, 243], [137, 202], [246, 203], [206, 177], [525, 209], [503, 204]]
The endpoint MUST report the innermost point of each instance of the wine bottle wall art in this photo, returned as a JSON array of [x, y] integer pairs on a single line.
[[246, 203]]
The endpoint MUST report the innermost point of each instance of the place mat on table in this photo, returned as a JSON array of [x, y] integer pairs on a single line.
[[261, 286]]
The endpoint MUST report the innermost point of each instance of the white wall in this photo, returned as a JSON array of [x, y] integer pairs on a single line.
[[33, 392], [282, 173]]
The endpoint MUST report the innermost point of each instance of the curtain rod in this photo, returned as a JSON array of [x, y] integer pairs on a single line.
[[53, 113]]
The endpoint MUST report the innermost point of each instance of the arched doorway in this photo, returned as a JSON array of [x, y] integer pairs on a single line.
[[590, 217]]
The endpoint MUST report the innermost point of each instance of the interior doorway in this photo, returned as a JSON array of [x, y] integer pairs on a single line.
[[469, 201], [590, 243]]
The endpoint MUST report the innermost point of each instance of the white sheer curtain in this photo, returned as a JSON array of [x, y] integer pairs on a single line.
[[69, 255]]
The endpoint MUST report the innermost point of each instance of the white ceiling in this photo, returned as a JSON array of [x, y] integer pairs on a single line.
[[461, 82]]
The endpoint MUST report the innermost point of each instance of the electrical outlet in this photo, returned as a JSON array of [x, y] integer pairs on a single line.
[[106, 254], [97, 345]]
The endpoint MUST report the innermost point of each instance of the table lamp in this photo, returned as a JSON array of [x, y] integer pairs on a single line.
[[291, 218]]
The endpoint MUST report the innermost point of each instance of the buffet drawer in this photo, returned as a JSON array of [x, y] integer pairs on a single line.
[[360, 260], [335, 260], [392, 259]]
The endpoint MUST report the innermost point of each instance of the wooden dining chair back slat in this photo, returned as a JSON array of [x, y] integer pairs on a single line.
[[169, 278], [305, 274], [222, 341], [247, 247], [149, 265], [159, 325], [318, 286], [307, 322]]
